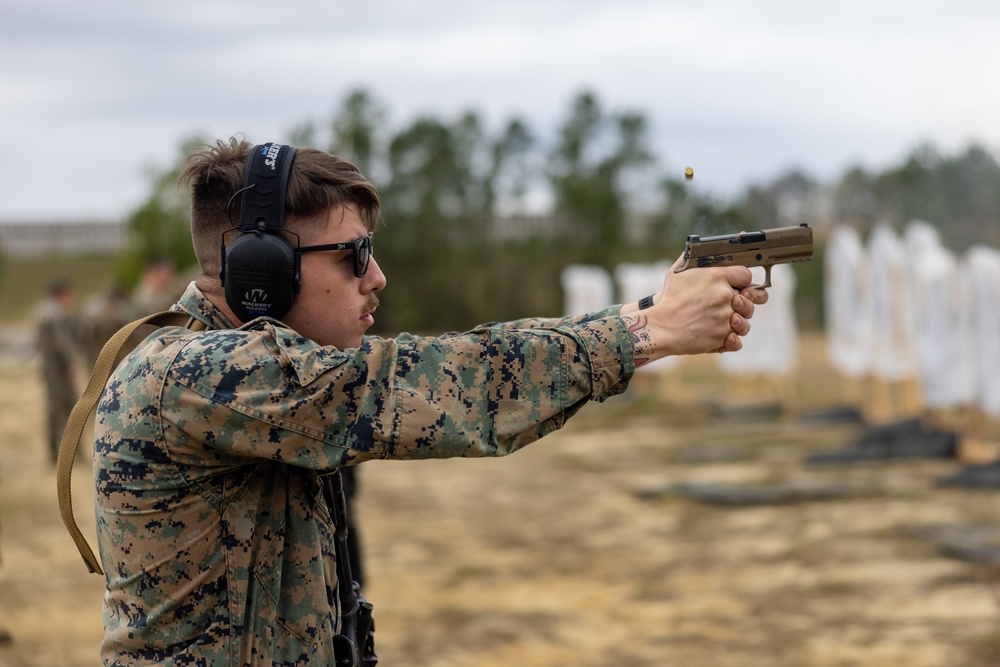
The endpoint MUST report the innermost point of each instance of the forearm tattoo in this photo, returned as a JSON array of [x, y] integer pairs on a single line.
[[637, 327]]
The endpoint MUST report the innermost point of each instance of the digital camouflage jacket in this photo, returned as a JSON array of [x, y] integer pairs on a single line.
[[213, 530]]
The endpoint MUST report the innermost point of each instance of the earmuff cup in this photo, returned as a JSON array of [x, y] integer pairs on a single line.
[[261, 276]]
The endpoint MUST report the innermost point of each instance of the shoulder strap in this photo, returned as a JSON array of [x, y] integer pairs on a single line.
[[81, 413]]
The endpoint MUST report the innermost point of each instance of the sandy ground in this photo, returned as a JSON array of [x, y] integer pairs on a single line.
[[581, 550]]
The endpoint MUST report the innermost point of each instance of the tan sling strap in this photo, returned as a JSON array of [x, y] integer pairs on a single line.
[[85, 406]]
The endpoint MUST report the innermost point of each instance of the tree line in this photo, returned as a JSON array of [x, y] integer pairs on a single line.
[[464, 239]]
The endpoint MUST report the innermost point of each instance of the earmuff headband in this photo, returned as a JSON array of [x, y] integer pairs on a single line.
[[265, 185]]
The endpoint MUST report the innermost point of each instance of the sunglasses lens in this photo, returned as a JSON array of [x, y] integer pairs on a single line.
[[362, 253]]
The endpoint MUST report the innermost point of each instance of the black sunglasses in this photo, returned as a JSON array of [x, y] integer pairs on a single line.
[[361, 247]]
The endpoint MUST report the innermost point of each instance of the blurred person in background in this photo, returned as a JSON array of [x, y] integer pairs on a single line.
[[213, 443], [58, 341], [157, 289]]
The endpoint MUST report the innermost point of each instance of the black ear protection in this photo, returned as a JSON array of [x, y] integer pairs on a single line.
[[260, 269]]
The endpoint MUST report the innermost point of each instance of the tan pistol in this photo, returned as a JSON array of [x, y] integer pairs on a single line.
[[766, 248]]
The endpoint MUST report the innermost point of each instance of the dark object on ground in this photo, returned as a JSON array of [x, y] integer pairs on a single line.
[[717, 493], [985, 476], [905, 439], [844, 414], [977, 544], [756, 412], [713, 454]]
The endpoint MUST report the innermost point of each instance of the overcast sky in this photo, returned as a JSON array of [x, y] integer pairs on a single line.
[[94, 93]]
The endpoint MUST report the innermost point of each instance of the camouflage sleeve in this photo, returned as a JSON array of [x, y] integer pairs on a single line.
[[532, 323], [551, 323], [493, 391], [270, 394]]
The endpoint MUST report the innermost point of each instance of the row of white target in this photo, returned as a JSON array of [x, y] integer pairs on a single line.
[[903, 307], [899, 307]]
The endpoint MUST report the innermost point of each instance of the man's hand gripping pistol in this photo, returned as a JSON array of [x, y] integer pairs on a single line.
[[764, 248]]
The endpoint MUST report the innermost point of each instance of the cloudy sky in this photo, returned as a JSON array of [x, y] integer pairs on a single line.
[[92, 94]]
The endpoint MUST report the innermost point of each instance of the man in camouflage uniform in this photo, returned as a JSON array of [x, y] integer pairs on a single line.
[[58, 342], [213, 527]]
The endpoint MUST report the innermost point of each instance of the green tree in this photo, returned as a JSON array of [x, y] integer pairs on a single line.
[[595, 154], [357, 130], [160, 227], [972, 183], [355, 133], [910, 190], [440, 201], [512, 170], [854, 198], [960, 194]]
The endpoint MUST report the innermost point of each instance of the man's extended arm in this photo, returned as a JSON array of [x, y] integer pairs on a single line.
[[483, 393]]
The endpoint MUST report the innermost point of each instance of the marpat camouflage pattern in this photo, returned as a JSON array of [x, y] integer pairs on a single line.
[[209, 446]]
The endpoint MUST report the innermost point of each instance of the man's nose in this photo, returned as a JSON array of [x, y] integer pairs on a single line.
[[374, 279]]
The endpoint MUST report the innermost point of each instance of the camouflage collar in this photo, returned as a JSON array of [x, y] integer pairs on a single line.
[[195, 303]]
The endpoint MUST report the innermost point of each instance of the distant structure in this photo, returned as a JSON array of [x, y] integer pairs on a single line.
[[41, 238], [586, 289]]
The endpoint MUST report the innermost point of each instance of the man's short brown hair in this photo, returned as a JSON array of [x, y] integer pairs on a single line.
[[318, 181]]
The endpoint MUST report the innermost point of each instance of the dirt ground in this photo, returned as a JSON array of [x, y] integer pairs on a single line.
[[585, 550]]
